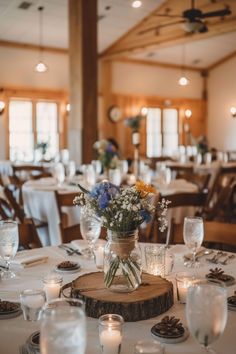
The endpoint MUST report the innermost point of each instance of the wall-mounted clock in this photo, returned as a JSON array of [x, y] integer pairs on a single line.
[[114, 113]]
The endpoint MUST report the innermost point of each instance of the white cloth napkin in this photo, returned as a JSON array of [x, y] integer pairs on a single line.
[[29, 261]]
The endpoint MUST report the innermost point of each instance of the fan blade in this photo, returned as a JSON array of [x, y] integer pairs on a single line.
[[166, 15], [224, 12], [156, 28]]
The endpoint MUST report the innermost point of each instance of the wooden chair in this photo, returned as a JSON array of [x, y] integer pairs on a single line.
[[217, 235], [18, 210], [222, 207], [68, 233], [28, 236], [196, 200], [201, 180], [25, 172], [6, 211]]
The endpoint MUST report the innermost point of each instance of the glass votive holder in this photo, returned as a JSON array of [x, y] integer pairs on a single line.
[[155, 259], [52, 286], [32, 302], [110, 333], [148, 347], [183, 282], [99, 256]]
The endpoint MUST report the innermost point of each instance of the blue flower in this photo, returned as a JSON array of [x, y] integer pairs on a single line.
[[103, 192], [103, 200], [145, 215]]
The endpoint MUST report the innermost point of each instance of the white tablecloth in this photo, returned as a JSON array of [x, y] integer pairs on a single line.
[[40, 203], [15, 331]]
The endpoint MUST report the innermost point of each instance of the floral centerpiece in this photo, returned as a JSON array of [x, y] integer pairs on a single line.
[[134, 122], [122, 211], [106, 154]]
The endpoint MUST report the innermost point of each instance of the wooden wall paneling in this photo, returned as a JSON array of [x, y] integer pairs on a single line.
[[60, 97], [132, 105]]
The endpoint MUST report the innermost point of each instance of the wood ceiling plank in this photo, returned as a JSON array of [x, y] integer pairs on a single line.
[[132, 42]]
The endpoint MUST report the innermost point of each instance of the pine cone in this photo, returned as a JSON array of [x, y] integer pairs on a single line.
[[7, 306], [232, 300], [169, 327], [218, 274]]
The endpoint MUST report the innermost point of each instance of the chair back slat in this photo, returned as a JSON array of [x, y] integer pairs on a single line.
[[68, 233]]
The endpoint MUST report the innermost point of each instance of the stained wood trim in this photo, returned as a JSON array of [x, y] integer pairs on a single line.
[[157, 64], [222, 60], [11, 44]]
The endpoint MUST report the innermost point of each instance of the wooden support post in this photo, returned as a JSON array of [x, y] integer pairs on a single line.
[[82, 122]]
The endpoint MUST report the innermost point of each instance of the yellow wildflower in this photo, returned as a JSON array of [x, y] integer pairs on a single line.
[[144, 189]]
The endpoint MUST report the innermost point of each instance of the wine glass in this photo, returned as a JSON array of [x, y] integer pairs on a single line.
[[90, 227], [193, 236], [63, 327], [59, 173], [9, 240], [206, 311]]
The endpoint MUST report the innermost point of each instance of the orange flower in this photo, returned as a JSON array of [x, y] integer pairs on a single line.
[[144, 189]]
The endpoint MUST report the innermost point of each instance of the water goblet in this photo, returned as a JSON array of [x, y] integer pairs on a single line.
[[193, 236], [90, 227], [9, 240], [206, 311], [63, 327]]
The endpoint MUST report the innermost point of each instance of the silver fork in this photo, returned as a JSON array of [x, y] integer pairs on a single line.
[[69, 250], [226, 260], [216, 257]]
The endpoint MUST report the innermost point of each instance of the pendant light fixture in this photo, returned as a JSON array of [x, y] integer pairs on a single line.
[[40, 67], [183, 80]]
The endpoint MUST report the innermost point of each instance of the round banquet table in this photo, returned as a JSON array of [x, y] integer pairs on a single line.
[[14, 332], [40, 203]]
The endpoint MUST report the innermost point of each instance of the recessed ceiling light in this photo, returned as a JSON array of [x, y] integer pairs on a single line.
[[136, 4]]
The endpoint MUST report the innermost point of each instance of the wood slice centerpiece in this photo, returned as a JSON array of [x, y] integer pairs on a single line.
[[152, 298]]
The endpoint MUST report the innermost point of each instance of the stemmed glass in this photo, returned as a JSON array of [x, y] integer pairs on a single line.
[[90, 227], [206, 311], [9, 241], [193, 236]]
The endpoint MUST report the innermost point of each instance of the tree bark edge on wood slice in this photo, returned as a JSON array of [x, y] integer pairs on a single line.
[[152, 298]]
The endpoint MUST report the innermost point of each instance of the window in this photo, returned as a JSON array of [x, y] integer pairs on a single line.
[[21, 139], [47, 125], [27, 129], [162, 131]]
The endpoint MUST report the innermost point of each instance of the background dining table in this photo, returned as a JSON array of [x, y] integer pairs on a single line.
[[40, 202], [15, 331]]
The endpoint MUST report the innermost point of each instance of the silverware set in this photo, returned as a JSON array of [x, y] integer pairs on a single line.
[[69, 250], [220, 258]]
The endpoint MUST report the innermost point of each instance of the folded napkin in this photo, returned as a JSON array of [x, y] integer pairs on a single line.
[[29, 261]]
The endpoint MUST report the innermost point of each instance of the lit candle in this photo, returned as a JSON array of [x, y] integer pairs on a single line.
[[183, 281], [110, 332], [52, 286], [110, 340], [99, 257]]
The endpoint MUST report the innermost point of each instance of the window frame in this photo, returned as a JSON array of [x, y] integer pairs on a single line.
[[162, 108], [58, 97]]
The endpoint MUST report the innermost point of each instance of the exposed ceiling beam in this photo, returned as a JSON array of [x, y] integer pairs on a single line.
[[222, 60], [133, 42], [158, 64], [34, 47]]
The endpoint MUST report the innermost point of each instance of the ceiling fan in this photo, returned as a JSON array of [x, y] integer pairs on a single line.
[[192, 19]]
